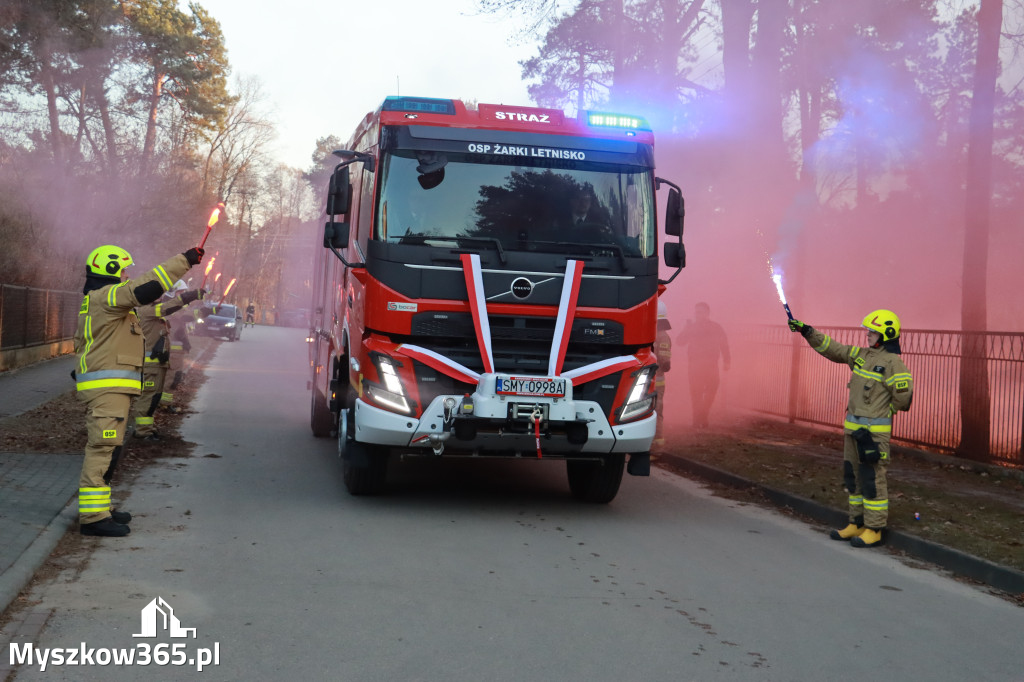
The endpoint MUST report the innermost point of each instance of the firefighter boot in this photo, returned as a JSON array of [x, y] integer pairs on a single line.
[[869, 538], [107, 528], [122, 517], [855, 528]]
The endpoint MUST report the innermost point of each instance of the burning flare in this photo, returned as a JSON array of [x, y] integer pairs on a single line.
[[228, 290], [214, 217], [206, 273], [777, 278]]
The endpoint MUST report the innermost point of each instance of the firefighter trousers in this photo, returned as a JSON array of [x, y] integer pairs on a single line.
[[105, 419], [145, 405], [866, 483]]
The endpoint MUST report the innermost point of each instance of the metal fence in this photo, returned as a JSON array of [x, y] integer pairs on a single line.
[[815, 389], [32, 317]]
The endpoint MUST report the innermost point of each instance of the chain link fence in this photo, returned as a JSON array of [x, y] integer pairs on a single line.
[[789, 379]]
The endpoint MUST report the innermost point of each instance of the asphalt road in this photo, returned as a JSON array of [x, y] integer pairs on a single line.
[[487, 570]]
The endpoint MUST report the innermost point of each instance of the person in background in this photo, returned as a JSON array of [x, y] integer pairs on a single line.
[[250, 314], [159, 349], [663, 352], [706, 343], [880, 386], [110, 348]]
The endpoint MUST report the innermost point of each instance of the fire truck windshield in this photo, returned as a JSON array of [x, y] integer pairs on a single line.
[[522, 204]]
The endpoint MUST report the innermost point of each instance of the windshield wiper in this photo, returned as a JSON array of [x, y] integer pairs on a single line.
[[423, 238], [590, 248]]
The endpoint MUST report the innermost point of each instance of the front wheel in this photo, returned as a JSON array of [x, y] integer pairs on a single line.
[[596, 481], [364, 467]]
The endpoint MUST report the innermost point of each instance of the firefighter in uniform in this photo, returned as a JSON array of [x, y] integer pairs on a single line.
[[110, 348], [663, 352], [180, 347], [880, 386], [159, 349]]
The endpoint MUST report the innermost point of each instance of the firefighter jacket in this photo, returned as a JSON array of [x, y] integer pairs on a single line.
[[109, 339], [155, 327], [880, 384]]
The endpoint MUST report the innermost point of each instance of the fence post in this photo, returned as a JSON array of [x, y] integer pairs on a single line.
[[794, 377]]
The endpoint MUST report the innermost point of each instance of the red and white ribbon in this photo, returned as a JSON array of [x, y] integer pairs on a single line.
[[478, 307], [566, 313], [439, 362], [596, 370]]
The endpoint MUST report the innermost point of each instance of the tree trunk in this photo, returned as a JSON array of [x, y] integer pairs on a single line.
[[975, 401], [113, 162], [736, 18], [50, 88], [149, 145]]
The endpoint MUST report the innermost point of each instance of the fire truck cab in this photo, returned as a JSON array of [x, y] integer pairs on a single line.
[[488, 288]]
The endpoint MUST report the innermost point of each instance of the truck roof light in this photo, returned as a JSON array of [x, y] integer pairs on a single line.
[[602, 119], [421, 105]]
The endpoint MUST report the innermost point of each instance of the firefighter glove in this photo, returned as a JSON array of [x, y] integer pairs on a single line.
[[190, 296], [194, 256], [797, 326], [867, 448]]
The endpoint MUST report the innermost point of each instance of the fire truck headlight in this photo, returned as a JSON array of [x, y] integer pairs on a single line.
[[638, 402], [391, 395]]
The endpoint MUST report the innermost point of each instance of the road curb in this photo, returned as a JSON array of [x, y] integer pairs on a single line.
[[24, 568], [967, 565]]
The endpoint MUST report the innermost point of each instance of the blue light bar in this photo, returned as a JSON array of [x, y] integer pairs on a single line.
[[419, 105], [602, 119]]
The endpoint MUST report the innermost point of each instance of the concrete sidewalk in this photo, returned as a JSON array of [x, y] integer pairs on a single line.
[[36, 490]]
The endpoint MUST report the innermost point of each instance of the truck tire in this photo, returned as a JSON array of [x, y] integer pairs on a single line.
[[370, 479], [321, 419], [364, 467], [596, 482]]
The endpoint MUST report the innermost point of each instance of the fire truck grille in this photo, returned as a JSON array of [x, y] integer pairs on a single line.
[[515, 328]]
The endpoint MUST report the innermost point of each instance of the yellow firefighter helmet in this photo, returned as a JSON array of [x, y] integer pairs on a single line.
[[884, 322], [108, 261]]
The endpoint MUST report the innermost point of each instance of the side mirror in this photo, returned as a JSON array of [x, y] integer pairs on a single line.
[[339, 193], [335, 235], [675, 212], [675, 255]]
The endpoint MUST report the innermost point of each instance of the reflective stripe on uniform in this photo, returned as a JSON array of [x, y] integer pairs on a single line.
[[904, 376], [112, 294], [176, 346], [872, 424], [874, 376], [876, 505], [161, 275], [856, 500], [152, 360], [167, 397], [143, 421], [824, 344], [109, 378], [93, 500]]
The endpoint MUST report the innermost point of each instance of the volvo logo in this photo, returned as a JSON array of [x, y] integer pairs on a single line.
[[522, 287]]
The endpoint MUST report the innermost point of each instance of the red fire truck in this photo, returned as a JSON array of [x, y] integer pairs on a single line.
[[488, 288]]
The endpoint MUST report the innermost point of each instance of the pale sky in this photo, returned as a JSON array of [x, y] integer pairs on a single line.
[[324, 64]]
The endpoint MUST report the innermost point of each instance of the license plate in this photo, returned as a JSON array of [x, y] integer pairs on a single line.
[[545, 387]]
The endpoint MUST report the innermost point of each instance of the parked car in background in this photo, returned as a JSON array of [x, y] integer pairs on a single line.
[[220, 320]]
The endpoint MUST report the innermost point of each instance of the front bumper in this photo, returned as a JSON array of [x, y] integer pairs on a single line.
[[498, 425]]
